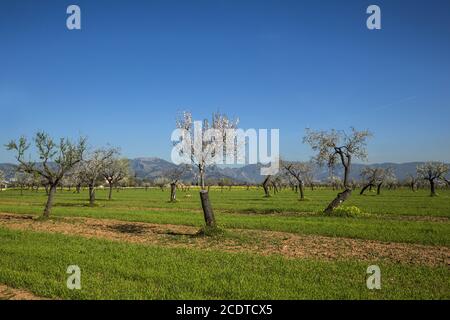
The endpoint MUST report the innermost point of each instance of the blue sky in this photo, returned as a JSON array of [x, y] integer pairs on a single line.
[[274, 64]]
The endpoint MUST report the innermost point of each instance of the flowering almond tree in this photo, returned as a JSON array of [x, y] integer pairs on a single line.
[[114, 171], [91, 169], [376, 177], [432, 172], [202, 144]]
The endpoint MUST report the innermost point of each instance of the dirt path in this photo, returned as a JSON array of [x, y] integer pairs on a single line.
[[8, 293], [253, 241]]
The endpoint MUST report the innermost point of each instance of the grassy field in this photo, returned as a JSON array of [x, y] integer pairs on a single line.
[[36, 261], [393, 216]]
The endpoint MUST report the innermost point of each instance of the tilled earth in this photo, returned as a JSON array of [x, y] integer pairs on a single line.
[[236, 240]]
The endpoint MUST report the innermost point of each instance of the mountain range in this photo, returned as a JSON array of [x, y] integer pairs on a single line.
[[152, 168]]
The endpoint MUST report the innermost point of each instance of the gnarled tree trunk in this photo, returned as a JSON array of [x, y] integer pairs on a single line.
[[379, 188], [51, 196], [173, 192], [207, 209], [365, 188], [341, 197], [301, 194], [110, 191], [266, 187], [432, 187], [91, 195]]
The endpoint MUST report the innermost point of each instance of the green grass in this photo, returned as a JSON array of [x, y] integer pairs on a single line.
[[390, 202], [113, 270], [240, 208]]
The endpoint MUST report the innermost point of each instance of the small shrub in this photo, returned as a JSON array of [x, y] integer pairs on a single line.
[[348, 211]]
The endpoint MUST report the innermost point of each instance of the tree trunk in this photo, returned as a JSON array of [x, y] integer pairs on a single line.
[[365, 188], [433, 188], [207, 209], [110, 191], [266, 191], [266, 187], [300, 187], [379, 188], [173, 192], [49, 205], [202, 177], [78, 188], [341, 197], [91, 195], [346, 173]]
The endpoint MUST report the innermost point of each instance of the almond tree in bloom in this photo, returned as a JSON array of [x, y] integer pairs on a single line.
[[376, 177], [203, 144], [432, 172], [114, 171], [91, 169]]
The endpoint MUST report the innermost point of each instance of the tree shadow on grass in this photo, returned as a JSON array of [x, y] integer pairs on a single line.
[[177, 233], [128, 228], [16, 217], [77, 205]]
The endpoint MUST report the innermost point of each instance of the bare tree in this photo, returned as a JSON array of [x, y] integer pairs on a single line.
[[338, 146], [276, 182], [92, 168], [265, 186], [299, 171], [114, 171], [431, 172], [174, 175], [56, 159], [204, 148]]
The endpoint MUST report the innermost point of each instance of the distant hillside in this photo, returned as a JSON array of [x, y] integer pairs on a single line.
[[151, 168], [8, 169]]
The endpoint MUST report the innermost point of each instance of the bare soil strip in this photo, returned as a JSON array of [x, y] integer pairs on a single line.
[[237, 240], [8, 293]]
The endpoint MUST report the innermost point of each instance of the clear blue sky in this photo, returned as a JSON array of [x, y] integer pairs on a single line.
[[275, 64]]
